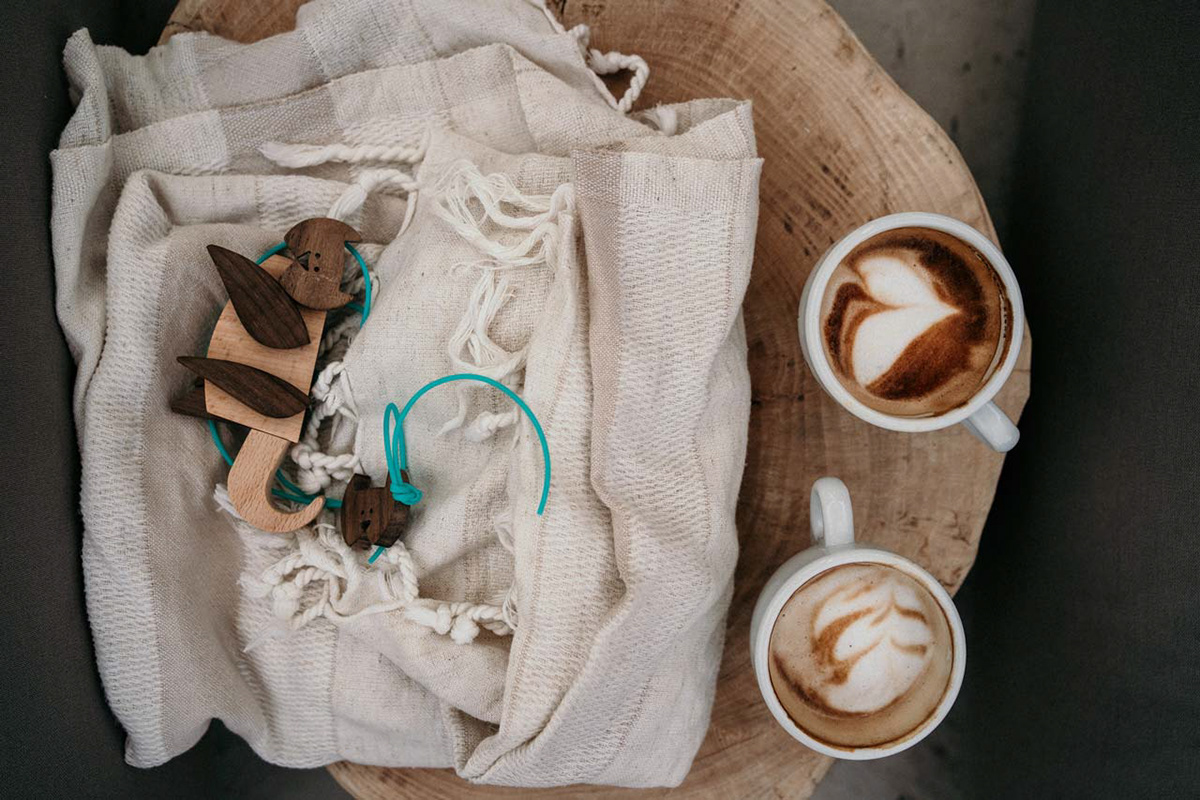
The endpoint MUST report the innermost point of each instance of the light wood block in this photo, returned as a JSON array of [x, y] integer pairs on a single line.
[[251, 478], [232, 342]]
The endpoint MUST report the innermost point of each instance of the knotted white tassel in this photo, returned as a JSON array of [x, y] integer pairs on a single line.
[[325, 578], [612, 62], [296, 155], [603, 63]]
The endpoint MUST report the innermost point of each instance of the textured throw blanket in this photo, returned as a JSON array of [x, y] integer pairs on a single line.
[[519, 222]]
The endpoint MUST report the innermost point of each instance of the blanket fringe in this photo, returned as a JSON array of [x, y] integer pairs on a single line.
[[323, 577], [472, 204]]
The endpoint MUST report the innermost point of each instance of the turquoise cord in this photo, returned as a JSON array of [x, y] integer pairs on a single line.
[[290, 492], [396, 453], [276, 249], [366, 306]]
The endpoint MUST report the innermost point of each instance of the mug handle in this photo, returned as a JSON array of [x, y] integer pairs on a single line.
[[993, 427], [829, 513]]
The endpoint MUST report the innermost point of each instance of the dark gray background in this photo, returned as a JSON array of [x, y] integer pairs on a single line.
[[1082, 611]]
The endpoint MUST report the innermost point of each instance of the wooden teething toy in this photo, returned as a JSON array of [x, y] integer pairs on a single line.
[[262, 354]]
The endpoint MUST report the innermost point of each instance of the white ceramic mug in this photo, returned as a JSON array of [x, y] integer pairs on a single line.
[[833, 546], [980, 415]]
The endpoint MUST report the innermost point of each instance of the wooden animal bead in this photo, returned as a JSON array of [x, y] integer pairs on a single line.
[[370, 516], [263, 307], [263, 392], [318, 251]]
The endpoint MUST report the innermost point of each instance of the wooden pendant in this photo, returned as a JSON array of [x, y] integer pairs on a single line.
[[318, 251], [264, 388], [260, 390], [370, 516], [251, 495], [263, 307]]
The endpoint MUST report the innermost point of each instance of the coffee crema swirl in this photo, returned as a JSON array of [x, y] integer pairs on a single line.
[[914, 321], [861, 656]]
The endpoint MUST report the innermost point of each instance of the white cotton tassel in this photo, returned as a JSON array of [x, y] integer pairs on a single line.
[[468, 200], [611, 62], [485, 426], [423, 616], [664, 118], [296, 156], [464, 188], [471, 349], [367, 181], [602, 66], [316, 470], [464, 630], [351, 200]]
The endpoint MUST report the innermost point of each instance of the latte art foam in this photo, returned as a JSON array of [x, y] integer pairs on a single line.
[[914, 322], [861, 655]]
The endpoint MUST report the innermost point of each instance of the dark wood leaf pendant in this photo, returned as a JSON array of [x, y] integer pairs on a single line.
[[260, 390], [264, 308]]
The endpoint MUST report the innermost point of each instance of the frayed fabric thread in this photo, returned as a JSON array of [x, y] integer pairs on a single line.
[[475, 206]]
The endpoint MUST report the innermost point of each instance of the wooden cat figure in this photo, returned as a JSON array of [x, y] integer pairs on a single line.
[[261, 357]]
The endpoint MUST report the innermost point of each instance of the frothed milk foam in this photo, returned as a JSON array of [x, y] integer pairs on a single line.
[[914, 321], [861, 656]]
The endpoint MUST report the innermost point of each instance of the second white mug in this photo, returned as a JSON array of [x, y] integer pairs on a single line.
[[834, 548]]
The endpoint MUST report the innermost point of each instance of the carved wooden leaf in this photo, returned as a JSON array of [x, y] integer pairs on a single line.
[[264, 308]]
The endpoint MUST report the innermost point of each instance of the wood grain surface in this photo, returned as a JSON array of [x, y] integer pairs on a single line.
[[191, 403], [263, 307], [251, 478], [370, 516], [318, 246], [842, 144], [232, 342], [258, 390]]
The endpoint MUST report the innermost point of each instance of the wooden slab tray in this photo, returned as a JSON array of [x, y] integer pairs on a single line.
[[842, 144]]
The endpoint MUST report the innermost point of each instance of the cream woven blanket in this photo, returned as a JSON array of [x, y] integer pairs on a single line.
[[520, 223]]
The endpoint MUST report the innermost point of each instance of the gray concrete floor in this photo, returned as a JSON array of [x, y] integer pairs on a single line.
[[963, 61]]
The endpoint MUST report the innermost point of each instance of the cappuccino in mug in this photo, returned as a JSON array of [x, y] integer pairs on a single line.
[[858, 652], [914, 321], [861, 656]]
